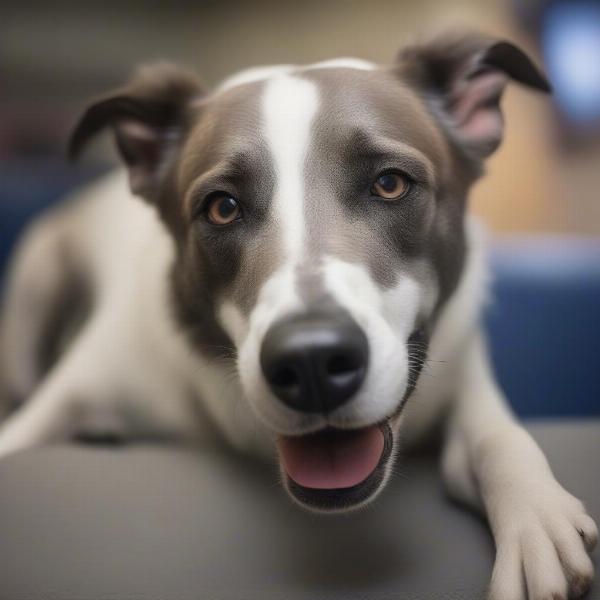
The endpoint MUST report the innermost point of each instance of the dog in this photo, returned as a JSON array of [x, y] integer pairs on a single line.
[[298, 251]]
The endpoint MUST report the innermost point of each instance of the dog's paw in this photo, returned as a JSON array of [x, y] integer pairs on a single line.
[[542, 550]]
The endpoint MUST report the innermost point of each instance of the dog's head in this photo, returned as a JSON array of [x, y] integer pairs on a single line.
[[318, 216]]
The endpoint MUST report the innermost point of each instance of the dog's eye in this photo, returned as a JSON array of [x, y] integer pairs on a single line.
[[391, 186], [223, 209]]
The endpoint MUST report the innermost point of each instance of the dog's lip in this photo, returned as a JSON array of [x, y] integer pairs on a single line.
[[361, 486]]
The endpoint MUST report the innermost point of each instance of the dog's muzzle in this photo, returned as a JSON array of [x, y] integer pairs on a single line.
[[315, 363]]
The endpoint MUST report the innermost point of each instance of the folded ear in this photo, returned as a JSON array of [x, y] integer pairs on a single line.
[[149, 117], [463, 76]]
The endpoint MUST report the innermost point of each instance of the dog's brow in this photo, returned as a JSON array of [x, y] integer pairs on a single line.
[[223, 174], [413, 160]]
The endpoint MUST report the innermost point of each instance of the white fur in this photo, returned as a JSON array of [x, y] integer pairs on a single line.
[[388, 320], [252, 75], [289, 107], [343, 63], [255, 74]]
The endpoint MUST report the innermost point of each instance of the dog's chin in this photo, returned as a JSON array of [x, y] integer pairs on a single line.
[[336, 470]]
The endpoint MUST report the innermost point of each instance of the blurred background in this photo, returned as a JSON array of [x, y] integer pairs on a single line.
[[540, 197]]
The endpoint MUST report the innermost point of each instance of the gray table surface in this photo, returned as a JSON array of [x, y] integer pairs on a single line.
[[167, 523]]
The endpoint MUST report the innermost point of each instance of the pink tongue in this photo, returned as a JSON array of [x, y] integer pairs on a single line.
[[332, 459]]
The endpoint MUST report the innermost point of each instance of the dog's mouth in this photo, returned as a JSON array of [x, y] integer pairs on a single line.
[[336, 469]]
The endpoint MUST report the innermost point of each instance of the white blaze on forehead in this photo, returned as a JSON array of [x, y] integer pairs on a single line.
[[289, 105]]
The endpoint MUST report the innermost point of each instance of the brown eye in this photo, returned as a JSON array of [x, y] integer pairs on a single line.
[[223, 210], [390, 186]]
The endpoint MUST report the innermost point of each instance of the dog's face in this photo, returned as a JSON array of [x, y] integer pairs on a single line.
[[318, 218]]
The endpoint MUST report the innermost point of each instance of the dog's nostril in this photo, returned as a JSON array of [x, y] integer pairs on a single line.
[[285, 377]]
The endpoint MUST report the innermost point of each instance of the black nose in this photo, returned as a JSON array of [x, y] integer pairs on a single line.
[[315, 362]]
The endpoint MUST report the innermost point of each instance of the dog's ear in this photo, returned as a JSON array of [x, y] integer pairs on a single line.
[[149, 118], [463, 77]]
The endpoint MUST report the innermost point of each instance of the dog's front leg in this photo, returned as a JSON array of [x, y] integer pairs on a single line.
[[542, 533], [52, 412]]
